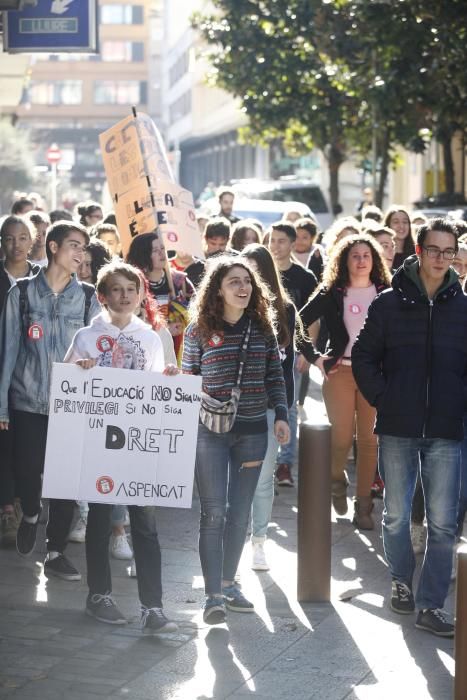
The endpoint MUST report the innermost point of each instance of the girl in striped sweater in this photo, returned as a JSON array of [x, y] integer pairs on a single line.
[[228, 464]]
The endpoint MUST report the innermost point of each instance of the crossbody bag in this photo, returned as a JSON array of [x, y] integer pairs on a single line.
[[219, 416]]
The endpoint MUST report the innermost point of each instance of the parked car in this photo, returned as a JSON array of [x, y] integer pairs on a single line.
[[265, 210], [288, 189]]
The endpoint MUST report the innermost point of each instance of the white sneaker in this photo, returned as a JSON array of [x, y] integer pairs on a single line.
[[418, 537], [78, 533], [120, 548], [132, 570], [259, 562]]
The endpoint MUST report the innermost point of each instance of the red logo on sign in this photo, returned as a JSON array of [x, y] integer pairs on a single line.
[[172, 236], [104, 343], [35, 332], [105, 485]]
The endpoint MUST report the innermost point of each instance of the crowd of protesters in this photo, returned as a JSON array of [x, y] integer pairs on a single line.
[[376, 303]]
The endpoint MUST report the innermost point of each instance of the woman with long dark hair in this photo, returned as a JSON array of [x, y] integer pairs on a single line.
[[262, 262], [398, 219], [355, 274], [171, 289], [231, 336]]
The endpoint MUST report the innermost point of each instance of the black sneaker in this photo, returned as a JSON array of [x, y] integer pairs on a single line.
[[235, 600], [154, 622], [26, 537], [434, 620], [402, 601], [103, 608], [62, 568], [214, 610]]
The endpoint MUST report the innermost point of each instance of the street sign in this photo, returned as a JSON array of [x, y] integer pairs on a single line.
[[54, 154], [56, 26]]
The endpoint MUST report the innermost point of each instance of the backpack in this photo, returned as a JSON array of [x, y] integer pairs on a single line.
[[22, 285]]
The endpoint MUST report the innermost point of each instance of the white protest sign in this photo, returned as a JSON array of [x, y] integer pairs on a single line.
[[143, 189], [120, 436]]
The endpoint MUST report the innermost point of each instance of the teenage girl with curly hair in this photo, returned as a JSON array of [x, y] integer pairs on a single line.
[[355, 274], [231, 303]]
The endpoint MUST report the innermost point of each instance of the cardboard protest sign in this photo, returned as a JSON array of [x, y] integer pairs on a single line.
[[116, 436], [143, 189]]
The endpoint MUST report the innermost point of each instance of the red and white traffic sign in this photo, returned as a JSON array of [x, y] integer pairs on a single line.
[[54, 154]]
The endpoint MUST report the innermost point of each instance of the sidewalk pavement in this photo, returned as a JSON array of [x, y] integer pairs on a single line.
[[353, 648]]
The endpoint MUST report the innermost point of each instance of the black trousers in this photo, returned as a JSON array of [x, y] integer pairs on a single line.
[[29, 440], [7, 479], [145, 546]]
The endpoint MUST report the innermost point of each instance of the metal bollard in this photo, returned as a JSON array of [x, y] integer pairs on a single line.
[[314, 513], [460, 675]]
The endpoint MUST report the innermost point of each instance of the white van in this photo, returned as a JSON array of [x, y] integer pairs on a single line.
[[264, 210], [288, 189]]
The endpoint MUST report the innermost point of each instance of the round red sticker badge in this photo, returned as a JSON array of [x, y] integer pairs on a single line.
[[355, 309], [104, 343], [216, 340], [105, 485], [35, 331]]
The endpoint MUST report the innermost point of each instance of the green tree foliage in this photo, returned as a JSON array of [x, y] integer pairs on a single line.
[[16, 163], [342, 75]]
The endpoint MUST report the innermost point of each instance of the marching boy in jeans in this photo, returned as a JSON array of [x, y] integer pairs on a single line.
[[117, 338], [410, 361], [39, 319]]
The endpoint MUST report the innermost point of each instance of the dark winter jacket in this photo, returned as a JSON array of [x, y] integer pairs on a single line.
[[328, 304], [410, 358]]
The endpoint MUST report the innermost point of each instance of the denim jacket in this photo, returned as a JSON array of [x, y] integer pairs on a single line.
[[27, 354]]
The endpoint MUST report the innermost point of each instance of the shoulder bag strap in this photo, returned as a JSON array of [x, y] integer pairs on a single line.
[[243, 353]]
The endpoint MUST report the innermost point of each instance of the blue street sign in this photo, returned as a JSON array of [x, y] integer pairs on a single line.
[[52, 26]]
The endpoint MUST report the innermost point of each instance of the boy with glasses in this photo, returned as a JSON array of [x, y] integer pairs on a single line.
[[410, 362]]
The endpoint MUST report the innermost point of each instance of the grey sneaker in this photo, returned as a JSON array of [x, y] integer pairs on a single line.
[[434, 620], [214, 610], [103, 608], [155, 622], [402, 601]]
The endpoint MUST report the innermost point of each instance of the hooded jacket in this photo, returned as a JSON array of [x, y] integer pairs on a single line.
[[410, 358], [136, 346]]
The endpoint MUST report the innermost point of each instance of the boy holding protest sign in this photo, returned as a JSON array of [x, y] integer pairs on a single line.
[[118, 338], [40, 317]]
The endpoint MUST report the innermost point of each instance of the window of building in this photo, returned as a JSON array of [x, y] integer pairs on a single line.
[[120, 92], [58, 92], [122, 51], [181, 107], [179, 68], [121, 14]]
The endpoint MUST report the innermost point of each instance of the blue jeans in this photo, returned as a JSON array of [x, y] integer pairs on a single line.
[[264, 495], [288, 453], [399, 464], [226, 490]]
